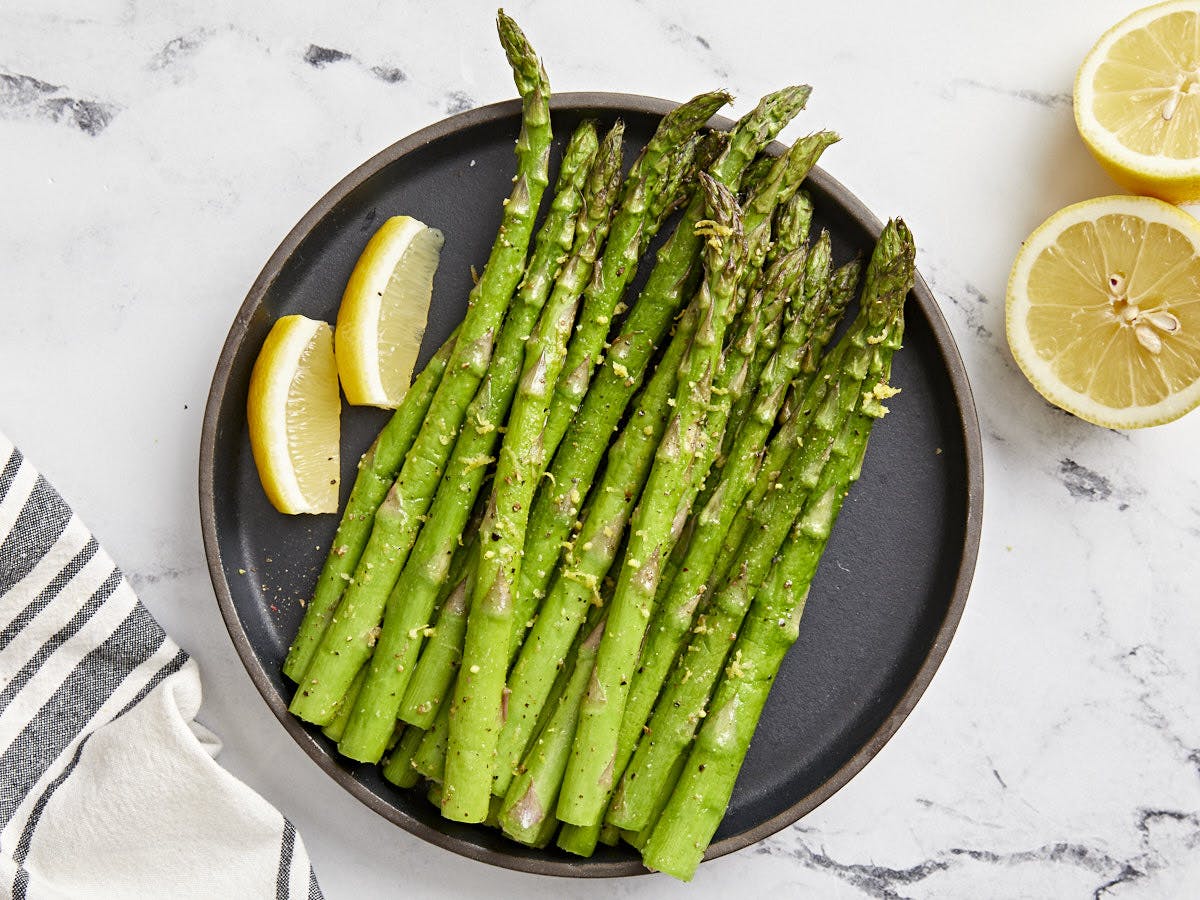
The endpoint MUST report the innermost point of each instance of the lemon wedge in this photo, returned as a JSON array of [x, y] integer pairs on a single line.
[[293, 412], [1103, 311], [384, 310], [1137, 101]]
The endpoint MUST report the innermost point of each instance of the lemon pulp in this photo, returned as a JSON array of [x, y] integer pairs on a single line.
[[1104, 311], [384, 310], [294, 411], [1137, 101]]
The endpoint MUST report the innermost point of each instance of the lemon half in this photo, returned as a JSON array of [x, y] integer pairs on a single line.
[[1103, 311], [293, 412], [384, 310], [1137, 101]]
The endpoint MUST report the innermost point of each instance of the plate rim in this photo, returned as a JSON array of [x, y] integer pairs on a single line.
[[583, 867]]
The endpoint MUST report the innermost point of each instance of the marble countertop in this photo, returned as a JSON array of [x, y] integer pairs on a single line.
[[152, 155]]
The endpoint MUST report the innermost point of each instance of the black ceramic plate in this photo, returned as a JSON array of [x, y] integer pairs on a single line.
[[885, 602]]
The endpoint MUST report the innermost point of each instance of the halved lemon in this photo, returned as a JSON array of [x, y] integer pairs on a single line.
[[1103, 311], [1137, 101], [293, 412], [384, 310]]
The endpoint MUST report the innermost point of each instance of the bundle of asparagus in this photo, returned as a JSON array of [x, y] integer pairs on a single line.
[[585, 647]]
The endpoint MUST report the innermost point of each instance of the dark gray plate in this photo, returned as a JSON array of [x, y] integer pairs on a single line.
[[883, 607]]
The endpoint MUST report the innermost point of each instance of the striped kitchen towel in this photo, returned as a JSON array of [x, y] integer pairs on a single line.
[[108, 786]]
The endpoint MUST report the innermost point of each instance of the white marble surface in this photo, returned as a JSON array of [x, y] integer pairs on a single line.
[[1057, 753]]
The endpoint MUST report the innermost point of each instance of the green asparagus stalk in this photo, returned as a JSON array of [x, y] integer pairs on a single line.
[[579, 840], [542, 836], [439, 660], [698, 802], [655, 523], [604, 742], [376, 472], [792, 221], [638, 839], [633, 225], [806, 302], [460, 565], [730, 382], [337, 725], [830, 401], [774, 190], [752, 329], [398, 769], [347, 642], [531, 796], [577, 218], [842, 289], [492, 819], [673, 190], [635, 345], [588, 558], [430, 757], [476, 714], [432, 676], [777, 292], [557, 504], [673, 617], [777, 188], [693, 571]]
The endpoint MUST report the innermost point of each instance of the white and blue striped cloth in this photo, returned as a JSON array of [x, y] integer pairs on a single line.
[[108, 786]]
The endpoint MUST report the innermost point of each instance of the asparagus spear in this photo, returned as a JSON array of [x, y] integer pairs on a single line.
[[597, 757], [567, 600], [792, 221], [346, 644], [698, 801], [815, 311], [731, 381], [632, 228], [430, 757], [693, 568], [807, 302], [460, 567], [829, 403], [843, 285], [376, 472], [673, 617], [337, 725], [776, 302], [437, 666], [398, 769], [638, 839], [476, 715], [678, 166], [577, 218], [556, 505], [588, 557], [531, 796], [655, 522], [778, 187], [438, 663]]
